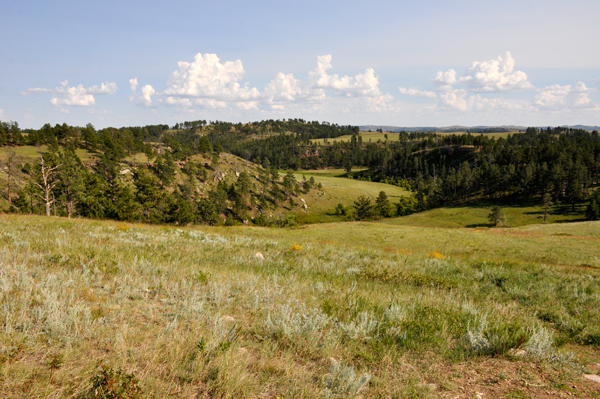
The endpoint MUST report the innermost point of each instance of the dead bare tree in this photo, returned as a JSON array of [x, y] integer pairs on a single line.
[[47, 184]]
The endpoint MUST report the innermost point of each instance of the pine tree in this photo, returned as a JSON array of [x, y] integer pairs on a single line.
[[207, 211], [363, 208], [92, 202], [149, 195], [70, 177], [244, 183], [204, 145], [383, 206], [547, 205], [593, 210], [121, 204], [289, 183], [495, 216]]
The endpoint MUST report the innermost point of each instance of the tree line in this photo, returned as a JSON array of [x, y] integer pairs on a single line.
[[440, 169]]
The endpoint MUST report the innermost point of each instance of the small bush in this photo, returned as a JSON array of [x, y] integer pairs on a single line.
[[541, 343], [494, 339], [199, 277], [291, 324], [395, 313], [364, 327], [111, 384], [342, 382]]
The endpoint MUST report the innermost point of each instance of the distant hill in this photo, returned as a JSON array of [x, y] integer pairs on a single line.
[[459, 128]]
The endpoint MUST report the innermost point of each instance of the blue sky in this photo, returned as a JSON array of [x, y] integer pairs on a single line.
[[403, 63]]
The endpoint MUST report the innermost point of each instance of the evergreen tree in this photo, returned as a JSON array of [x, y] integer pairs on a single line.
[[547, 205], [121, 204], [244, 183], [207, 211], [204, 145], [70, 177], [495, 217], [289, 183], [92, 202], [165, 168], [383, 206], [593, 209], [149, 195], [363, 208]]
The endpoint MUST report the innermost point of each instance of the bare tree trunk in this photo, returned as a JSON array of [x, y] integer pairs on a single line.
[[47, 185], [69, 206]]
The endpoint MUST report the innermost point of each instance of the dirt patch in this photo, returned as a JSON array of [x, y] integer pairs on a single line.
[[503, 378]]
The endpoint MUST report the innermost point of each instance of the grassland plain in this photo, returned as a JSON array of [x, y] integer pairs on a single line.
[[376, 136], [338, 310], [31, 154], [338, 189], [476, 216]]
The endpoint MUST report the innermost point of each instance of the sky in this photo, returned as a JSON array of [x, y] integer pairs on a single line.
[[400, 63]]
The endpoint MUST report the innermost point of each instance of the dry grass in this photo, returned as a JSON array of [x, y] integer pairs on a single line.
[[193, 313]]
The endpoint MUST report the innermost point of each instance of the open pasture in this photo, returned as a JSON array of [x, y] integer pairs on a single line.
[[336, 190], [340, 310]]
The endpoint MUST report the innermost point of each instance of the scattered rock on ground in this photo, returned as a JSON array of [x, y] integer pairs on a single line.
[[592, 377]]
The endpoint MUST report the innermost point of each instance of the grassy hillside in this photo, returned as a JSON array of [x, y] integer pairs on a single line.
[[340, 310], [498, 135], [338, 189], [31, 154], [376, 136], [476, 216], [366, 136]]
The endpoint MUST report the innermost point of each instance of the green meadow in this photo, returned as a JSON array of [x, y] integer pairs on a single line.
[[100, 309]]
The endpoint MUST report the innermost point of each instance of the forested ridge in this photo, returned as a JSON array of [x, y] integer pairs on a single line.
[[563, 163]]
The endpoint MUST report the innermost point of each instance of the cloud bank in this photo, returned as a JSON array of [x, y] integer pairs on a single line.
[[557, 97], [413, 91], [208, 83], [65, 95]]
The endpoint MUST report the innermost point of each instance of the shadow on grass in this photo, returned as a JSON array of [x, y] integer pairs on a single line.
[[476, 225]]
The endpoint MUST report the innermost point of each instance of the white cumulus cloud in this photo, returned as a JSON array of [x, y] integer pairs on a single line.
[[459, 100], [557, 97], [104, 88], [445, 80], [206, 77], [284, 87], [146, 98], [143, 99], [207, 82], [364, 84], [74, 95], [413, 91], [133, 84], [495, 76]]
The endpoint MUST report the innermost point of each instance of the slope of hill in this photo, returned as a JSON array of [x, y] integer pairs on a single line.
[[459, 128], [476, 216], [329, 310]]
